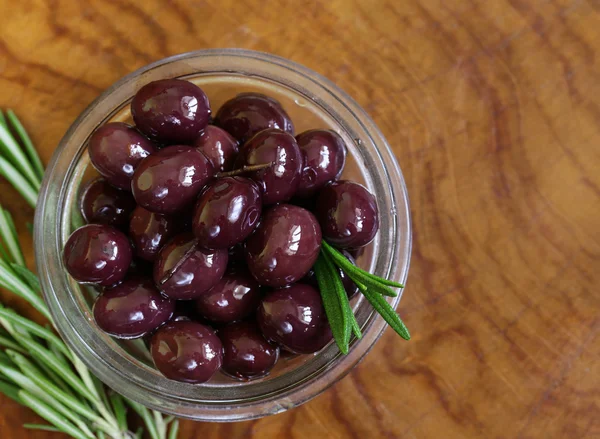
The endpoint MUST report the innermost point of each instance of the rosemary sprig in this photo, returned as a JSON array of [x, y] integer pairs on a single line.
[[336, 303], [337, 307], [37, 369], [34, 158]]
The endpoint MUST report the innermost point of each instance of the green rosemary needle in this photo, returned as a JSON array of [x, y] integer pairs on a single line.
[[336, 303]]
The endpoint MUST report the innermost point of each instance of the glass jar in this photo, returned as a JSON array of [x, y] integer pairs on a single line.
[[313, 102]]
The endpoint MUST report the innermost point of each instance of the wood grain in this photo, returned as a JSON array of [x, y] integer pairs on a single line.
[[493, 110]]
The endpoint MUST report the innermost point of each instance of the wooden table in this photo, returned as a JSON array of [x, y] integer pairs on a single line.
[[493, 110]]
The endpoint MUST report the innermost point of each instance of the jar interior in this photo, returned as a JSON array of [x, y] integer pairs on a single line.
[[220, 87]]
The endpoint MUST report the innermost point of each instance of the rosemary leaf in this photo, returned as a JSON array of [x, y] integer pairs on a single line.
[[9, 218], [161, 427], [42, 427], [10, 237], [374, 285], [355, 327], [58, 381], [15, 155], [120, 410], [174, 429], [41, 392], [20, 183], [33, 373], [386, 311], [43, 354], [11, 282], [359, 274], [346, 265], [34, 329], [338, 319], [381, 280], [34, 158], [11, 391], [100, 389], [343, 298], [8, 328], [144, 413], [5, 359], [24, 382], [3, 254], [59, 353], [10, 344], [92, 385], [28, 277]]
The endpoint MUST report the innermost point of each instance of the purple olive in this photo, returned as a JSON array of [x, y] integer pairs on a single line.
[[246, 353], [184, 312], [248, 113], [184, 271], [348, 214], [101, 203], [186, 351], [116, 149], [97, 254], [284, 246], [218, 146], [324, 156], [280, 180], [295, 318], [227, 212], [170, 179], [235, 296], [171, 111], [132, 308], [149, 231]]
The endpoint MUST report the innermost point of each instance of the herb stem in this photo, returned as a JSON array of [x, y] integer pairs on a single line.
[[244, 169]]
